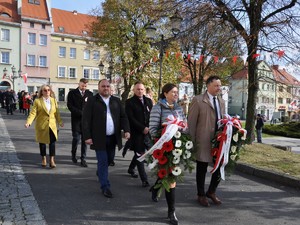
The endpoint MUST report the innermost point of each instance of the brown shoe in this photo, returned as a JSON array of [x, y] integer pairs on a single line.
[[203, 201], [44, 161], [214, 198]]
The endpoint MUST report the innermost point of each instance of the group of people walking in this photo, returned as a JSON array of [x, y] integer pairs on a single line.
[[98, 120]]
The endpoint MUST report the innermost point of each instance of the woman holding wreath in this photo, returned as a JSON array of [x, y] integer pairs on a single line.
[[165, 107]]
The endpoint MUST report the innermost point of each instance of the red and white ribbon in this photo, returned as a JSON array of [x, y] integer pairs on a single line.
[[225, 142], [171, 127]]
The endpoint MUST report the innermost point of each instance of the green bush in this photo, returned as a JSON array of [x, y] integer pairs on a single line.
[[291, 129]]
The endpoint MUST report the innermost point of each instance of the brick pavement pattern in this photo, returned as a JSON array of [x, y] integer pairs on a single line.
[[17, 203]]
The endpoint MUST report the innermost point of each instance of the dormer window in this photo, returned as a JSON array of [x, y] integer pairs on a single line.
[[36, 2], [5, 15], [61, 29]]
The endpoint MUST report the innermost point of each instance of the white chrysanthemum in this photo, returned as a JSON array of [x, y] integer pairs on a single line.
[[244, 135], [187, 155], [176, 160], [233, 157], [177, 135], [176, 171], [189, 145], [178, 144], [177, 152], [153, 164], [236, 137], [233, 148]]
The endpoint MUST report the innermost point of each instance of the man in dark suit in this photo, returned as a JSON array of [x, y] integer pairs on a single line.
[[9, 101], [138, 110], [77, 99], [103, 119]]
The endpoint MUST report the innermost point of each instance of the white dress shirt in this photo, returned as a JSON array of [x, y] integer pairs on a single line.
[[211, 99], [110, 127], [47, 103]]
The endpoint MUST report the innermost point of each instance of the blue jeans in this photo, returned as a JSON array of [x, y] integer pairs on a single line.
[[258, 135], [76, 138], [104, 158]]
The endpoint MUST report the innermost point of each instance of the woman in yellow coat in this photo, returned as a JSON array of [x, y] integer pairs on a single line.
[[46, 113]]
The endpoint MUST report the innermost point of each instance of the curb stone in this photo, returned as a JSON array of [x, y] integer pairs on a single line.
[[270, 175]]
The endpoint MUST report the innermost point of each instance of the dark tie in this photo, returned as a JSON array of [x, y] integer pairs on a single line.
[[216, 113], [82, 93]]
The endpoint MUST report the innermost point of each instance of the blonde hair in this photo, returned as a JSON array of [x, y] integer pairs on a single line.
[[40, 94]]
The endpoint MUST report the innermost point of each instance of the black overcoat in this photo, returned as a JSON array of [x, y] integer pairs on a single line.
[[75, 104], [94, 121], [138, 116]]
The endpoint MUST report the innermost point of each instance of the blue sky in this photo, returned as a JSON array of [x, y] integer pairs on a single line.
[[82, 6]]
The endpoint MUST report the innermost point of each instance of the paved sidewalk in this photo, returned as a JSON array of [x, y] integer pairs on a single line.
[[71, 194], [17, 203]]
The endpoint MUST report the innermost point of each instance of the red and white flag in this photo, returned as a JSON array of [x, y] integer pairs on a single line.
[[24, 75]]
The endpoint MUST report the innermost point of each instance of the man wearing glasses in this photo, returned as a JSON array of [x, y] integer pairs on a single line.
[[103, 119], [77, 99]]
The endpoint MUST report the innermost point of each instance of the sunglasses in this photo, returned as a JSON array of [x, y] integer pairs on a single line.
[[46, 90]]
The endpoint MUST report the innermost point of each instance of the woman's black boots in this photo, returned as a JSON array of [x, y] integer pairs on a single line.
[[154, 193], [170, 197]]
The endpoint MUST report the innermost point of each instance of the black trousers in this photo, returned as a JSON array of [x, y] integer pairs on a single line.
[[140, 167], [51, 145], [200, 178]]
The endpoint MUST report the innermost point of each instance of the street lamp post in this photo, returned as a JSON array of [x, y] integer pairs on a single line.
[[14, 75], [109, 69], [163, 43]]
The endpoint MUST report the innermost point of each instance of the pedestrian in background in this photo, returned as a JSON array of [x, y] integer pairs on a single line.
[[102, 121], [27, 101], [258, 126], [205, 110], [185, 103], [77, 99], [138, 110], [46, 113], [166, 105], [9, 99]]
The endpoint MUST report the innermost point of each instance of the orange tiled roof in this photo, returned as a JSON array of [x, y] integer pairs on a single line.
[[282, 76], [35, 11], [9, 7], [73, 23], [242, 74]]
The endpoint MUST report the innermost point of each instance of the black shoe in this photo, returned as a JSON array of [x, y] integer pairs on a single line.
[[173, 218], [74, 160], [107, 193], [112, 163], [154, 194], [145, 184], [132, 173], [83, 163]]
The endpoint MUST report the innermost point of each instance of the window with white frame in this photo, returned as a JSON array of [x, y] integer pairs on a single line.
[[5, 57], [5, 34], [96, 55], [61, 71], [30, 60], [86, 54], [86, 73], [43, 39], [73, 53], [43, 61], [31, 38], [62, 52], [95, 74], [72, 72]]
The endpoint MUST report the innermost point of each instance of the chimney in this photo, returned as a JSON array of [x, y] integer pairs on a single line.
[[275, 67], [75, 12]]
